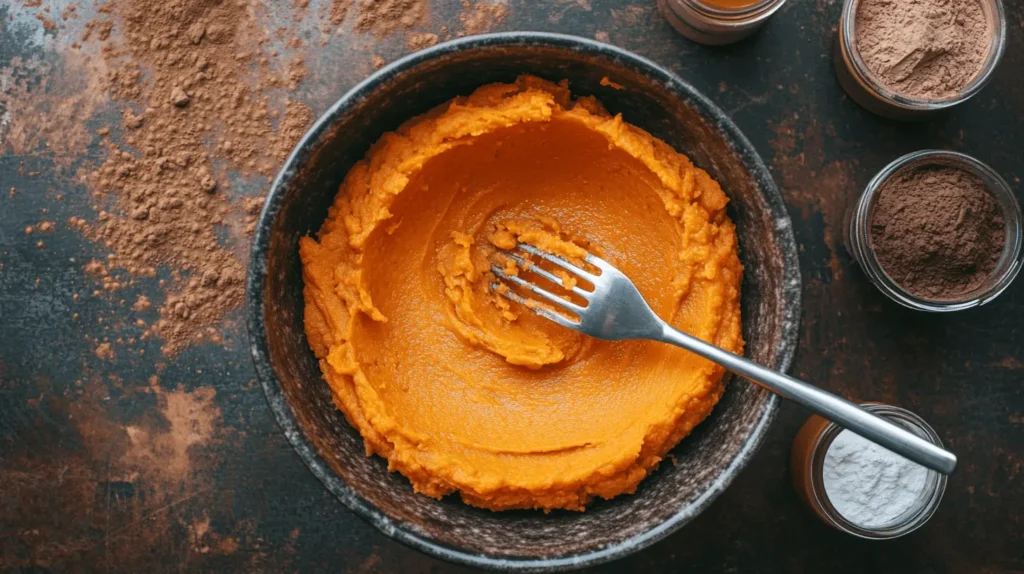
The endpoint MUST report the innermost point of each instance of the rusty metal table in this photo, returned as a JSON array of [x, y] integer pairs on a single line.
[[217, 487]]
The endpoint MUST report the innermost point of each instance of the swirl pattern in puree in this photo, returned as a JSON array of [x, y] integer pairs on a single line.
[[461, 390]]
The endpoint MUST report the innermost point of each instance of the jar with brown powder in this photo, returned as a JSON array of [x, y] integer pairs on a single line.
[[937, 231], [907, 60]]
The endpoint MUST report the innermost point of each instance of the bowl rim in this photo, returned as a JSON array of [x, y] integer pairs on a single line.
[[397, 530]]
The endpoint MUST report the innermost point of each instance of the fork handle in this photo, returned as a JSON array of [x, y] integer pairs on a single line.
[[834, 408]]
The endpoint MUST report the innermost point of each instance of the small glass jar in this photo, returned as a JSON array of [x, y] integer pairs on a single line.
[[714, 23], [861, 85], [857, 232], [807, 468]]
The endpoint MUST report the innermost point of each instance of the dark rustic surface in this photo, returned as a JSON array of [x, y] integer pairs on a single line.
[[102, 469]]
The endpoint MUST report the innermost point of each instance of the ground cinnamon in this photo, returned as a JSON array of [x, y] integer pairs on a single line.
[[384, 17], [481, 17], [203, 93], [937, 231], [162, 198]]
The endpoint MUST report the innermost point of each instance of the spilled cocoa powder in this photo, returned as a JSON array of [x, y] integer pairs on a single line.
[[161, 197], [420, 40], [481, 17], [385, 17], [937, 231], [200, 91], [338, 10], [45, 105]]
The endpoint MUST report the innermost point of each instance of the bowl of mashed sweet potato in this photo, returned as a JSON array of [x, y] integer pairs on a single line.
[[450, 418]]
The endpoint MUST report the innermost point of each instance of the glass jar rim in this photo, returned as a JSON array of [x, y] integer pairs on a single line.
[[1008, 266], [847, 27], [760, 10], [913, 520]]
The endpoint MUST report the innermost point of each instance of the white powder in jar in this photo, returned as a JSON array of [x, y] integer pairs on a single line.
[[868, 484]]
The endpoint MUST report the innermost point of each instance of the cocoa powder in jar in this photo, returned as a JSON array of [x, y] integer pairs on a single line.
[[937, 231]]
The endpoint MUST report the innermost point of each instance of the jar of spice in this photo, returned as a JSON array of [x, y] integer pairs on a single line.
[[860, 488], [937, 231], [717, 22], [910, 60]]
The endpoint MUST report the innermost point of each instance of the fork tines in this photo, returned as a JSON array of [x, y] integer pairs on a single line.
[[559, 301]]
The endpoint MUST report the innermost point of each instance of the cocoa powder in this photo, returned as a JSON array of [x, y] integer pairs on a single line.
[[482, 16], [200, 93], [937, 231], [385, 17], [46, 106], [415, 41], [163, 202], [338, 10], [926, 49]]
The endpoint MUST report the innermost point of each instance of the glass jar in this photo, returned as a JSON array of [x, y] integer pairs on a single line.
[[857, 232], [714, 23], [807, 461], [861, 85]]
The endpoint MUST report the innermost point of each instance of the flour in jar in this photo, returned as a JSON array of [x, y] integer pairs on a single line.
[[869, 485]]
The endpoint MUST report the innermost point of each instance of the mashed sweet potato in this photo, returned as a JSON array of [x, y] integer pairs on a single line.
[[462, 390]]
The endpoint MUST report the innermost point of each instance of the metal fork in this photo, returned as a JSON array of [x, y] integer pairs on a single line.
[[615, 310]]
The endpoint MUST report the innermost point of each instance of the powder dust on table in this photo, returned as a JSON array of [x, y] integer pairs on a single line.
[[927, 49], [481, 17], [193, 81], [385, 17], [420, 40], [47, 105], [338, 10], [186, 70]]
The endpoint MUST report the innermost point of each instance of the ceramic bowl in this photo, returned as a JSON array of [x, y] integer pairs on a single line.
[[706, 461]]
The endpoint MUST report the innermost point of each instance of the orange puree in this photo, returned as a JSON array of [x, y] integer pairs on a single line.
[[464, 391], [730, 4]]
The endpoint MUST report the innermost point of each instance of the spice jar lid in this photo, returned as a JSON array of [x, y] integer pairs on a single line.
[[910, 493], [859, 233]]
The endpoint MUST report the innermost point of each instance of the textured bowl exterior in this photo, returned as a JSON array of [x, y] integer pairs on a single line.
[[706, 461]]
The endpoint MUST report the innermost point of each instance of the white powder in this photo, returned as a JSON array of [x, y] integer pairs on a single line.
[[868, 484]]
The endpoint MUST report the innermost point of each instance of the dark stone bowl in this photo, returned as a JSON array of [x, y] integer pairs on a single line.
[[707, 461]]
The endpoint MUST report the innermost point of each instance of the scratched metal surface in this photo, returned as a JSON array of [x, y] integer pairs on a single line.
[[103, 470]]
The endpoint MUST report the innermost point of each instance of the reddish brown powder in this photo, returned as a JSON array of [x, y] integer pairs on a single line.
[[385, 17], [104, 351], [164, 204], [296, 73], [419, 40], [297, 118], [937, 231], [481, 17], [49, 114], [339, 9], [141, 304], [191, 78]]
